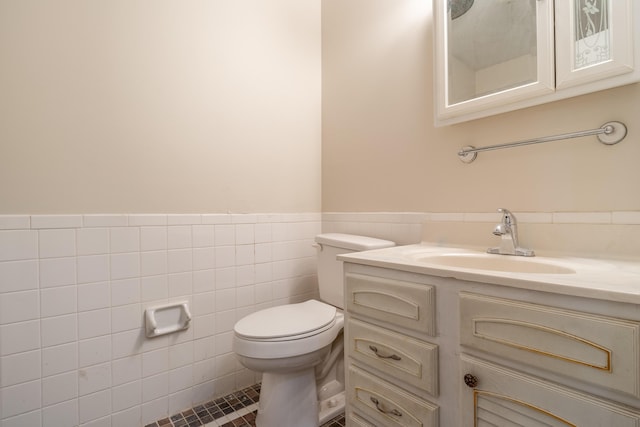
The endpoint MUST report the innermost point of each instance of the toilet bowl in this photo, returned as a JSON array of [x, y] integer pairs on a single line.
[[298, 348], [286, 343]]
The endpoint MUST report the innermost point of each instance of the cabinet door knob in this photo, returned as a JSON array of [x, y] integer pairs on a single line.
[[471, 380], [385, 411], [381, 356]]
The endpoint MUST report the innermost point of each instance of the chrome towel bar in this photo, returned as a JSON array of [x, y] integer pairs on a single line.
[[609, 133]]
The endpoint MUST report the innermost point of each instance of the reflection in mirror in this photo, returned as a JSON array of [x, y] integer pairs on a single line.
[[592, 33], [457, 8], [491, 47]]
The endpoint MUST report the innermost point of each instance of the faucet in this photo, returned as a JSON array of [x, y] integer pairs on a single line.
[[508, 231]]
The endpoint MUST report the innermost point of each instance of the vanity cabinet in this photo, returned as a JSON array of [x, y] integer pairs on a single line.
[[392, 368], [480, 354], [494, 56]]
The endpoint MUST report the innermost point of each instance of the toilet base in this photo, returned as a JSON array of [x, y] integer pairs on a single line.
[[288, 399], [331, 407]]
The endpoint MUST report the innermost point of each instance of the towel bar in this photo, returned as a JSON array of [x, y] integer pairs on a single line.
[[609, 133]]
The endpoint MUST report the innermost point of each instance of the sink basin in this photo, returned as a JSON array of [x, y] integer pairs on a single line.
[[505, 263]]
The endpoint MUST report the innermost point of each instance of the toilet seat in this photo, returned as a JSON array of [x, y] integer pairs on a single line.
[[287, 322], [305, 328]]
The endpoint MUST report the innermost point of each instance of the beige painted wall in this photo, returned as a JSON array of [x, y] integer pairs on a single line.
[[159, 106], [381, 151]]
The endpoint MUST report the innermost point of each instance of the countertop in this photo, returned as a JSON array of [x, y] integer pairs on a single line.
[[611, 280]]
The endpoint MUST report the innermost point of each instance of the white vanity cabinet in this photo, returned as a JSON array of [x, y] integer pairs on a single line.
[[494, 56], [392, 368], [460, 353]]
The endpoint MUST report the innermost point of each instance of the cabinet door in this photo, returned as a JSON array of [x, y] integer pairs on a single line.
[[594, 40], [491, 53], [502, 397], [595, 349]]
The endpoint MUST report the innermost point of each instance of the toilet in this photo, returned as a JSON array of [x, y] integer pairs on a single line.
[[299, 347]]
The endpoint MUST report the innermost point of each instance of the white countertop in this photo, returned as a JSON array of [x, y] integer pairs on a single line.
[[593, 278]]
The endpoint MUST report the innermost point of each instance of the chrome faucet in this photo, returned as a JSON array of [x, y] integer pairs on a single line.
[[508, 232]]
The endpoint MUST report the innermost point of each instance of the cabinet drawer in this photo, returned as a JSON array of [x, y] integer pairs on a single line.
[[354, 420], [590, 348], [504, 397], [388, 405], [409, 305], [407, 359]]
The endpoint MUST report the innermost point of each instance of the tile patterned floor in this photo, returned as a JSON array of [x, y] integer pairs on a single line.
[[234, 410]]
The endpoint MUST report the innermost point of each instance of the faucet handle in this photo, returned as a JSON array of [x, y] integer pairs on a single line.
[[507, 217]]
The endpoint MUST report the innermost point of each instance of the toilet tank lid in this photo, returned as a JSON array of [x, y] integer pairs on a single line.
[[352, 241]]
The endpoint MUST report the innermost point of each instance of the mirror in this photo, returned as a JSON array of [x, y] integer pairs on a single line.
[[491, 54], [492, 47]]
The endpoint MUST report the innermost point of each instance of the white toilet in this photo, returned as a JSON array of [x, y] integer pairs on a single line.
[[299, 347]]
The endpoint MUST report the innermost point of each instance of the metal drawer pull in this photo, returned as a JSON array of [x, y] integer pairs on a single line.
[[375, 350], [384, 411]]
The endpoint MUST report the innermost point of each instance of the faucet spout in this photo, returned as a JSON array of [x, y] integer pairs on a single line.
[[507, 229], [500, 230]]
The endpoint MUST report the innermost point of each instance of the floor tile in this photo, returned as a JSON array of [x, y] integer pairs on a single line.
[[238, 409]]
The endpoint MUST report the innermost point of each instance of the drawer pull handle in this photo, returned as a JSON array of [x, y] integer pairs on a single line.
[[471, 380], [384, 411], [375, 350]]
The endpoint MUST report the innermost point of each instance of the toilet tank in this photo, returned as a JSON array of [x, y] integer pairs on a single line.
[[330, 269]]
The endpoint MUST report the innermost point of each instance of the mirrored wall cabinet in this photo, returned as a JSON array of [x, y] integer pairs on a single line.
[[494, 56]]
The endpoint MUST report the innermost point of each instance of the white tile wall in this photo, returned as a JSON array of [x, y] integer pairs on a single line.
[[73, 289], [401, 228], [18, 245], [406, 228]]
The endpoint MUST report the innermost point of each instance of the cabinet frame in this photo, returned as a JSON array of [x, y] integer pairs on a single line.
[[452, 390]]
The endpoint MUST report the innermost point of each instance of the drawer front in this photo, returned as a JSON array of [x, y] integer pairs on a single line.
[[407, 359], [596, 349], [503, 397], [409, 305], [354, 420], [386, 404]]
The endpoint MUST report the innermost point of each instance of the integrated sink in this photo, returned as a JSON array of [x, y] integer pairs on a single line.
[[504, 263]]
